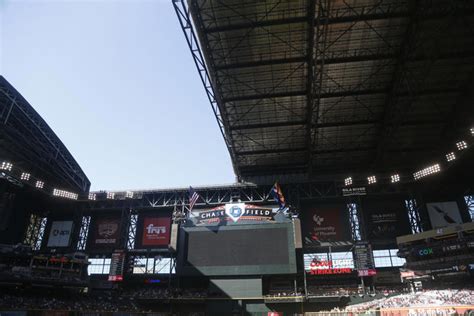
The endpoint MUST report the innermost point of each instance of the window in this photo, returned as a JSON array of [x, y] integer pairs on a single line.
[[470, 205], [152, 265], [99, 266], [387, 258]]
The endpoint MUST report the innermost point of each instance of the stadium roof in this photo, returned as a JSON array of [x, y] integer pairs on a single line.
[[30, 144], [304, 88]]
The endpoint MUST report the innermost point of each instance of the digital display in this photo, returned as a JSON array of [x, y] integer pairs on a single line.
[[234, 247], [238, 250]]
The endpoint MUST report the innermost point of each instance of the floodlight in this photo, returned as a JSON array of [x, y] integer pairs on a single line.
[[461, 145], [427, 171], [395, 178], [348, 181], [6, 166], [450, 156], [371, 179]]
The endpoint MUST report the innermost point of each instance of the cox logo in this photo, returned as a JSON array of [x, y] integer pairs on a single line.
[[425, 252]]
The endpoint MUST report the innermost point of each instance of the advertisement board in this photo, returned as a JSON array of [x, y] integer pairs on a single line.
[[443, 214], [325, 223], [105, 231], [385, 218], [60, 234], [156, 231], [232, 213]]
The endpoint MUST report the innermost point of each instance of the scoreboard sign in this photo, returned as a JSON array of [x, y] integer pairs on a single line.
[[156, 231], [116, 266], [364, 259]]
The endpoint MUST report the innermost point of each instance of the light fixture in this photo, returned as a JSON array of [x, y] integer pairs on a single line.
[[65, 194], [6, 166], [25, 176], [129, 195], [371, 179], [461, 145], [395, 178], [39, 184], [348, 181], [472, 131], [110, 195], [427, 171], [92, 196], [450, 156]]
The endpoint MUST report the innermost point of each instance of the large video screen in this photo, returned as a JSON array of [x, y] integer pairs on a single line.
[[240, 249]]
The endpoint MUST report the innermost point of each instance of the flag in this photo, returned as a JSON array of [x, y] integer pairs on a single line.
[[193, 197], [278, 195]]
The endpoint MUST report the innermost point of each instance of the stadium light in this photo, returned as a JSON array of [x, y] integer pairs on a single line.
[[461, 145], [129, 195], [110, 195], [65, 194], [427, 171], [348, 181], [92, 196], [25, 176], [472, 131], [450, 156], [39, 184], [371, 179], [395, 178], [6, 166]]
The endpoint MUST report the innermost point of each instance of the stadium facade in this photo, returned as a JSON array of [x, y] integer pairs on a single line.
[[362, 111]]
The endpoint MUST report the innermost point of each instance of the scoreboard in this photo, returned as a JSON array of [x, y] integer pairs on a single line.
[[237, 250]]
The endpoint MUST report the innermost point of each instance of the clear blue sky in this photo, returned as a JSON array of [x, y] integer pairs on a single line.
[[116, 82]]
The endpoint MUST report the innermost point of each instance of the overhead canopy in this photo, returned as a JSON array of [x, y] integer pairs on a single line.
[[304, 88], [30, 144]]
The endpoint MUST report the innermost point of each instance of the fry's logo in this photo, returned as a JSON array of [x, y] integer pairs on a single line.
[[151, 229], [156, 231]]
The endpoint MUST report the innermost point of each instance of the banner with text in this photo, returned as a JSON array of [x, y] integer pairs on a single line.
[[156, 231], [233, 213], [60, 234], [325, 223], [385, 218], [105, 231]]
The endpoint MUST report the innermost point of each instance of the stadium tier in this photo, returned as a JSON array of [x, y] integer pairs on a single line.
[[363, 112]]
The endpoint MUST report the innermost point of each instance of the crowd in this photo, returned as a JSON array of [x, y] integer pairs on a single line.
[[332, 291], [427, 298], [64, 303]]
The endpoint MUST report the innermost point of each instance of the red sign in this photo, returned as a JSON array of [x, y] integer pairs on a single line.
[[367, 272], [156, 231], [326, 267], [115, 278]]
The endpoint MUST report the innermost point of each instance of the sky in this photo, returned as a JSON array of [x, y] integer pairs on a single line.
[[116, 82]]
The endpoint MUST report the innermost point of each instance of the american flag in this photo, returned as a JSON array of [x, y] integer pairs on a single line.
[[193, 197]]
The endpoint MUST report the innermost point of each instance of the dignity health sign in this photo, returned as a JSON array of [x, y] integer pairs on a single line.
[[156, 231]]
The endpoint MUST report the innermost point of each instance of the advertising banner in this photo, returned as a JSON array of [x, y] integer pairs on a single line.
[[156, 231], [232, 212], [105, 231], [443, 214], [385, 218], [60, 234], [325, 223]]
